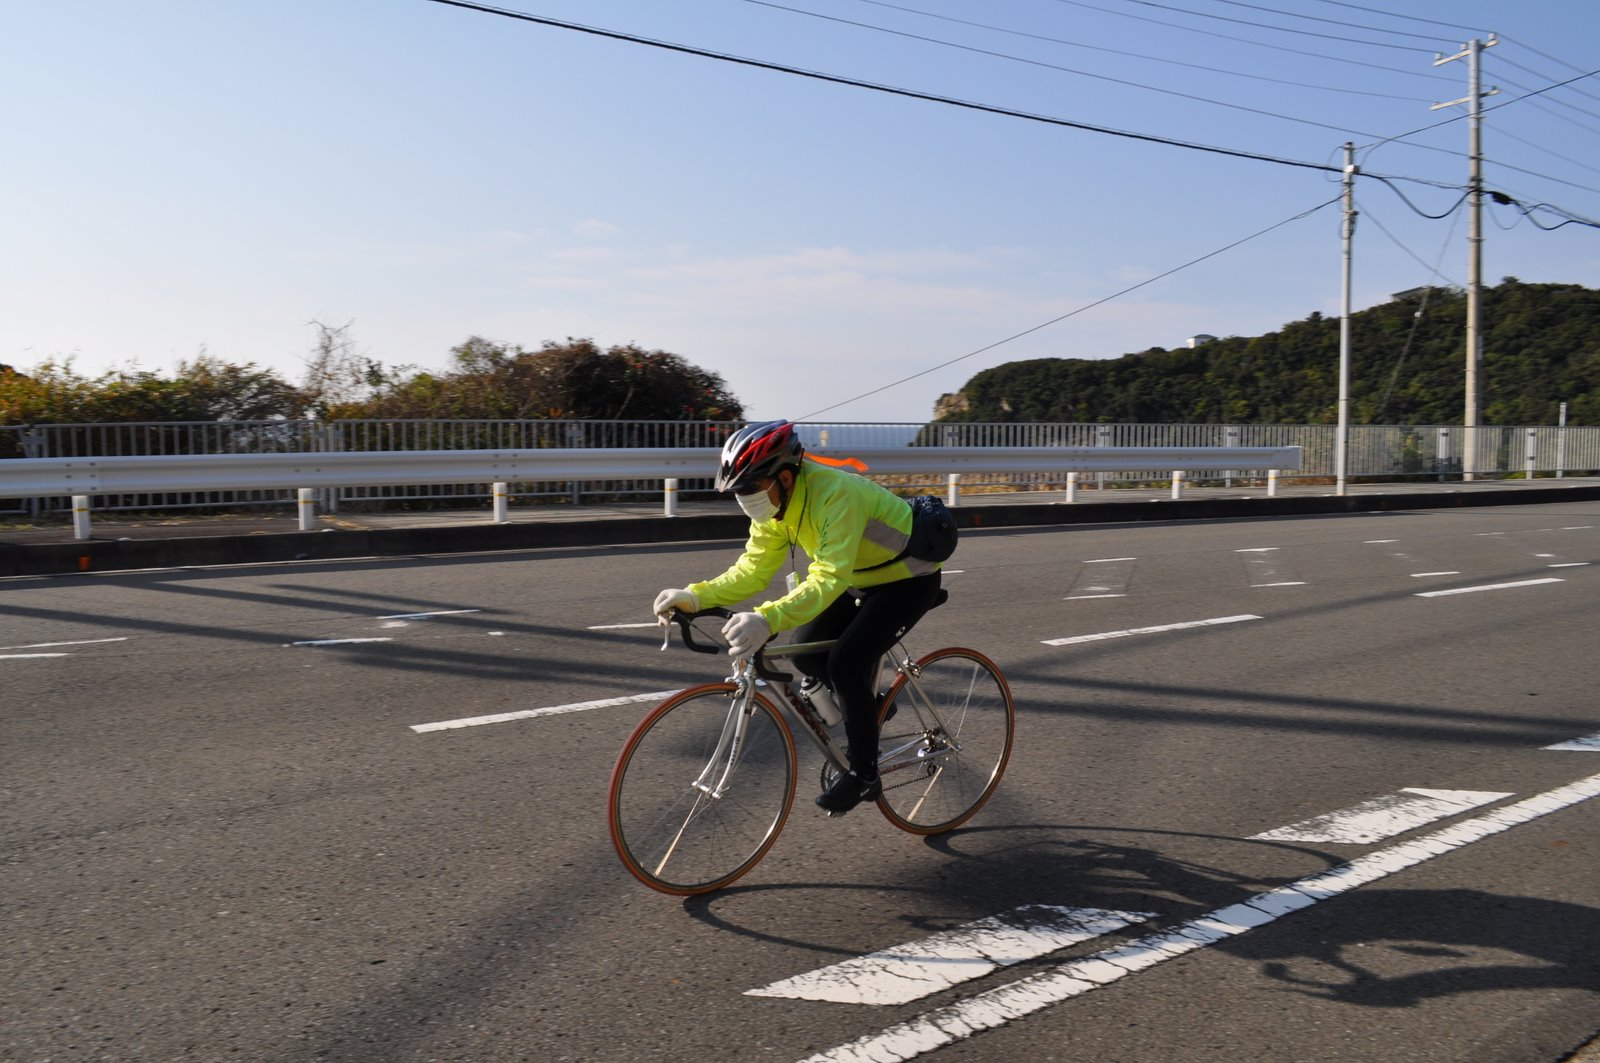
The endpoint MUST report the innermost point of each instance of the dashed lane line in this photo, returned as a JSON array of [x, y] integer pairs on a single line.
[[955, 1022], [529, 714], [53, 645], [1075, 639], [1382, 817], [1490, 587], [1588, 744], [918, 969]]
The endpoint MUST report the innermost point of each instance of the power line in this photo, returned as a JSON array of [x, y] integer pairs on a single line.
[[1053, 66], [1331, 21], [1258, 44], [913, 94], [1281, 29], [1072, 313], [1409, 18], [1137, 55]]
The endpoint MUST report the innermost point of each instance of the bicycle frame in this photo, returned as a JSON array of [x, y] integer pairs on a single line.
[[745, 677]]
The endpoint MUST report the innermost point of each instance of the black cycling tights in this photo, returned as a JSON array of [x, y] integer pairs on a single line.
[[866, 627]]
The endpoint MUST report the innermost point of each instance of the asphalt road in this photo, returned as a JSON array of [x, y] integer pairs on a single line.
[[224, 840]]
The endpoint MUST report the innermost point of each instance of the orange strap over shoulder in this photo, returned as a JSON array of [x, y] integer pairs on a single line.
[[839, 463]]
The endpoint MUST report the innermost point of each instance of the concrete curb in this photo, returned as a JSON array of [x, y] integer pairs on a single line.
[[42, 559]]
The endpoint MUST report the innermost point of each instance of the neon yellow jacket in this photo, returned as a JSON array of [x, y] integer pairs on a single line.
[[845, 524]]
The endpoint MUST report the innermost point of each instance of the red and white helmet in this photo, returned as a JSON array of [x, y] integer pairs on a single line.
[[757, 451]]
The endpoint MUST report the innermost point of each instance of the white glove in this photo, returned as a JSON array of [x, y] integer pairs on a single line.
[[746, 633], [674, 598]]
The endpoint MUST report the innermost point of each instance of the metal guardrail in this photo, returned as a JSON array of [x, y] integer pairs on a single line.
[[92, 476], [1380, 452], [85, 478]]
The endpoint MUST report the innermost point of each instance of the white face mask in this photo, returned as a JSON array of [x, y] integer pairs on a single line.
[[758, 506]]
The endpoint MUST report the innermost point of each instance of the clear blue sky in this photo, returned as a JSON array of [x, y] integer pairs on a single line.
[[215, 174]]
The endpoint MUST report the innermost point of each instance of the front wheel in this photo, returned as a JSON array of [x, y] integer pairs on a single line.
[[942, 755], [698, 795]]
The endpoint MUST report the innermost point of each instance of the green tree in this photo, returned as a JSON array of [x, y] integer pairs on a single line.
[[202, 389], [1541, 348], [571, 380]]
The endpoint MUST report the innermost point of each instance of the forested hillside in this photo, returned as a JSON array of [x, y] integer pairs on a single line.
[[1541, 348]]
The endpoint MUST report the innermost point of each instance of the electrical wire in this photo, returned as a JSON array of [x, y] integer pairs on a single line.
[[1281, 29], [1258, 44], [1073, 313], [1053, 66], [1396, 14], [1331, 21], [1137, 55], [913, 94]]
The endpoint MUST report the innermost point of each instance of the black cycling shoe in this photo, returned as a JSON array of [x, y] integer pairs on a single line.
[[848, 791]]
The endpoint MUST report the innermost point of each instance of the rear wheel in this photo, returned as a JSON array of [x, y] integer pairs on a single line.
[[942, 755], [681, 820]]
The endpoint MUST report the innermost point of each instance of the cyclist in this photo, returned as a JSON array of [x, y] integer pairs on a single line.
[[858, 587]]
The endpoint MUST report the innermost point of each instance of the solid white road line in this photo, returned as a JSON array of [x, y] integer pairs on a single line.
[[1490, 587], [424, 616], [943, 1026], [338, 642], [619, 627], [1569, 564], [1074, 639], [1382, 817], [21, 656], [912, 971], [1590, 744], [1420, 575], [52, 645], [529, 714]]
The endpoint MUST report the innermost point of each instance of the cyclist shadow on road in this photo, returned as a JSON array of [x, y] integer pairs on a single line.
[[1397, 948], [947, 880]]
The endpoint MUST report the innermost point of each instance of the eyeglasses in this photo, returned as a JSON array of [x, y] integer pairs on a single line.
[[761, 485]]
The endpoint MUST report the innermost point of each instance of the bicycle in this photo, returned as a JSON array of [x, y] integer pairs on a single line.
[[705, 783]]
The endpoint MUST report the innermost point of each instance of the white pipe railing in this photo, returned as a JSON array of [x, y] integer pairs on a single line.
[[84, 478]]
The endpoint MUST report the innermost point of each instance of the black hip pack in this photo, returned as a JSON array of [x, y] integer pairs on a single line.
[[933, 532]]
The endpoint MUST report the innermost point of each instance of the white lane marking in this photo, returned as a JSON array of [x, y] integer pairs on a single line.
[[912, 971], [1419, 575], [1578, 527], [1569, 564], [1074, 639], [1588, 744], [1375, 542], [1265, 570], [1382, 817], [1086, 597], [1102, 578], [22, 656], [50, 645], [529, 714], [943, 1026], [424, 616], [337, 642], [1489, 587], [618, 627]]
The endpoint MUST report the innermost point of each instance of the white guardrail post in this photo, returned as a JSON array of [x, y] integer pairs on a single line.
[[952, 490], [1177, 484], [1072, 487], [502, 503], [80, 517], [670, 502], [307, 508], [1272, 483]]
